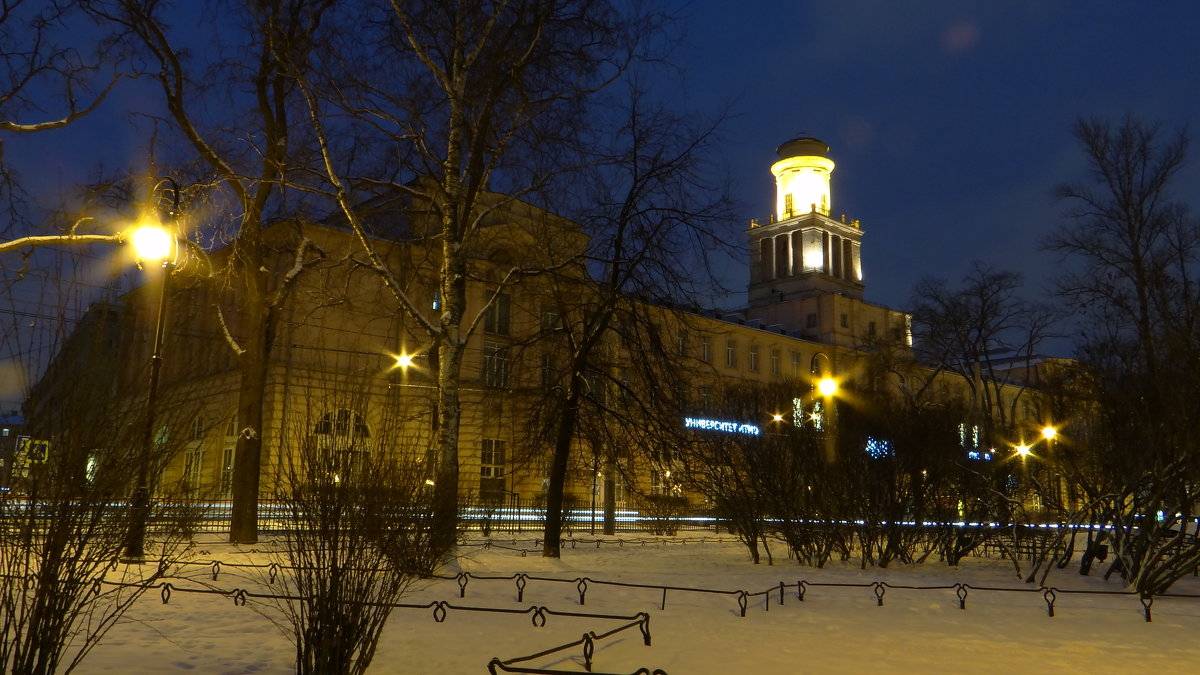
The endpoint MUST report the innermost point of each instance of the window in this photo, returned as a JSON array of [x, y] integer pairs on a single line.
[[788, 207], [625, 391], [227, 471], [491, 468], [550, 319], [343, 423], [754, 358], [496, 318], [731, 353], [549, 374], [495, 364], [681, 343], [775, 362], [340, 439], [795, 364], [662, 484], [193, 463], [706, 350], [871, 328], [810, 321], [198, 428], [705, 396], [845, 320]]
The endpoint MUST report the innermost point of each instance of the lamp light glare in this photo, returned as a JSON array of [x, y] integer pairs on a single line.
[[404, 360], [1022, 449], [1049, 433], [151, 243], [827, 386]]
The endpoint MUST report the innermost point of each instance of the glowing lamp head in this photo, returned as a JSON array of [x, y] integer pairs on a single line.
[[1022, 450], [776, 417], [827, 386], [1049, 433], [404, 361], [152, 243]]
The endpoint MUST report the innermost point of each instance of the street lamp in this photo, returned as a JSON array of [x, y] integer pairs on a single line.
[[154, 246], [827, 386]]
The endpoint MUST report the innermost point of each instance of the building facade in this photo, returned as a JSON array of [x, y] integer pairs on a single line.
[[350, 371]]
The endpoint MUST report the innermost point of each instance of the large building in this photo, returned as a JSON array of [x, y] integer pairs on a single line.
[[348, 369]]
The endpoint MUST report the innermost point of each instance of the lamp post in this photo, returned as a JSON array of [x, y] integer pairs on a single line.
[[154, 246], [828, 388]]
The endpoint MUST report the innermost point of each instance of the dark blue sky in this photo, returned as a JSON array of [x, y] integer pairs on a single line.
[[949, 121]]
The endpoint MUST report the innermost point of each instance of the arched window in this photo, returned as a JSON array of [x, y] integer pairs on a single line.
[[340, 443], [821, 366]]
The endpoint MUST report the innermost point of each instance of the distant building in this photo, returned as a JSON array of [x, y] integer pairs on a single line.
[[11, 428], [335, 379]]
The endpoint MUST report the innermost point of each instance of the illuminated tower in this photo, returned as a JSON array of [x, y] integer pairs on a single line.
[[803, 252]]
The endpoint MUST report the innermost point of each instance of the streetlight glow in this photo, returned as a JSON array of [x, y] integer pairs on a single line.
[[1022, 449], [827, 386], [1049, 433], [403, 360], [152, 243]]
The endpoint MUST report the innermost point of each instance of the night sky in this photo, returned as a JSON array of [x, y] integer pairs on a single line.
[[949, 121]]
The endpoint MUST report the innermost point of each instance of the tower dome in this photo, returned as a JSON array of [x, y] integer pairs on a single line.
[[802, 178]]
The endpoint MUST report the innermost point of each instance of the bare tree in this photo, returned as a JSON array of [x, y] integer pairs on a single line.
[[1132, 259], [65, 520], [55, 68], [361, 529], [247, 147], [479, 98], [654, 200], [982, 332]]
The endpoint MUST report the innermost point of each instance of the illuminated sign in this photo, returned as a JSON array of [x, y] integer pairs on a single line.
[[718, 425]]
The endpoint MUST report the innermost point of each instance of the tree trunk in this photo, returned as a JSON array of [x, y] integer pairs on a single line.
[[552, 535]]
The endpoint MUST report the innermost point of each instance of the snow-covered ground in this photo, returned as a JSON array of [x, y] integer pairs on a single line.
[[836, 629]]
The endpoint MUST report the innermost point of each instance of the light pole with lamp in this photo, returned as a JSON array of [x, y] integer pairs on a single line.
[[828, 388], [155, 248]]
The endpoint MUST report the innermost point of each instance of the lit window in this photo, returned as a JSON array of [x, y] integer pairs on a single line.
[[193, 464], [754, 358], [492, 468], [730, 353], [775, 362], [661, 483], [495, 364], [227, 471]]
